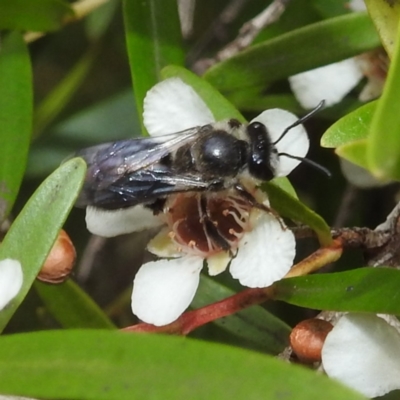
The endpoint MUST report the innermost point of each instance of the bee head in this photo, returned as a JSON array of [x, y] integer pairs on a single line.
[[263, 155], [278, 144]]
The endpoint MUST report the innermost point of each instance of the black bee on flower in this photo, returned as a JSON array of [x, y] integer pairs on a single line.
[[200, 179]]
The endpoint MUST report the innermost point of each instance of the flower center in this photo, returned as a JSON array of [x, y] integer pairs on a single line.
[[201, 223]]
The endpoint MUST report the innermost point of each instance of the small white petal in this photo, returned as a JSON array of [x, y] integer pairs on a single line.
[[295, 142], [357, 5], [173, 106], [162, 290], [265, 254], [11, 279], [363, 352], [218, 263], [110, 223], [163, 246], [331, 82]]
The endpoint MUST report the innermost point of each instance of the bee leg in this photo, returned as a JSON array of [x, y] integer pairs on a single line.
[[211, 229], [254, 203], [157, 206]]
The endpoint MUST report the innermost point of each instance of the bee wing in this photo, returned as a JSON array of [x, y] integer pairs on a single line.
[[130, 172]]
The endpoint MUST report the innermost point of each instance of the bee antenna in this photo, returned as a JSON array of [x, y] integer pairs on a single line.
[[301, 120], [309, 162]]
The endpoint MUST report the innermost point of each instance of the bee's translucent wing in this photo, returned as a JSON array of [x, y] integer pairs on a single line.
[[130, 172]]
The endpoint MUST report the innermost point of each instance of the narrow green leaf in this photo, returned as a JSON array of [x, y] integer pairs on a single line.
[[72, 307], [16, 104], [153, 38], [254, 101], [356, 152], [374, 290], [284, 184], [300, 50], [37, 15], [108, 365], [216, 102], [288, 206], [385, 16], [383, 151], [34, 231], [109, 120], [98, 21], [254, 325], [352, 127], [57, 99]]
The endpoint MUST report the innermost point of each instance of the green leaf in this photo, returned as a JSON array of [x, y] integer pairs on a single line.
[[383, 151], [34, 231], [98, 21], [33, 15], [59, 97], [284, 184], [106, 121], [153, 38], [356, 152], [288, 206], [71, 306], [299, 50], [16, 103], [216, 102], [385, 16], [352, 127], [374, 290], [254, 325], [108, 365], [253, 100]]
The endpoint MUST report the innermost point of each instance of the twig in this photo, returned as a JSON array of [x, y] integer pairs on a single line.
[[363, 238], [346, 206], [247, 34], [217, 28], [91, 252]]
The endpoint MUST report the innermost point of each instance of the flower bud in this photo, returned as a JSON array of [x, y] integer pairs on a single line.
[[308, 337], [60, 260]]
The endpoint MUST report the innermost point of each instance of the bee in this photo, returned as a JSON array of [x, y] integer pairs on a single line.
[[204, 160]]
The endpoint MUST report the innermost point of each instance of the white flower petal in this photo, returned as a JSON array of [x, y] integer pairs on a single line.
[[295, 142], [363, 352], [265, 254], [331, 82], [162, 290], [11, 279], [218, 263], [173, 106], [357, 5], [110, 223]]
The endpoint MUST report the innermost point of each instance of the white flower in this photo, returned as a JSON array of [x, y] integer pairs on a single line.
[[363, 352], [11, 279], [334, 81], [261, 247], [331, 82], [357, 5]]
